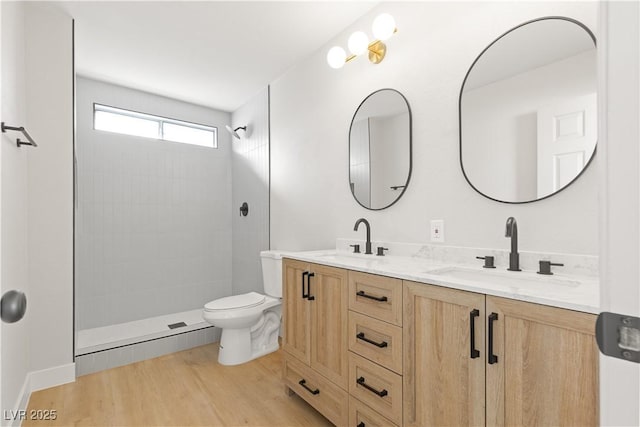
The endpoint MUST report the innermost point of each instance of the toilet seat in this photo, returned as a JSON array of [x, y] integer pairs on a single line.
[[248, 300]]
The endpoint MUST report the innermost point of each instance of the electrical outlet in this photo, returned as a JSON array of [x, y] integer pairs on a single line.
[[437, 230]]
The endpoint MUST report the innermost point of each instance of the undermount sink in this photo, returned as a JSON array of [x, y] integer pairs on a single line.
[[498, 277], [339, 254]]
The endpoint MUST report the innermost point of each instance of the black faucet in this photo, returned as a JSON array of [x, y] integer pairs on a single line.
[[368, 244], [512, 232]]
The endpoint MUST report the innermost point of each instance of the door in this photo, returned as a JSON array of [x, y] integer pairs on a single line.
[[439, 356], [545, 369], [619, 89], [567, 135], [296, 314], [328, 296]]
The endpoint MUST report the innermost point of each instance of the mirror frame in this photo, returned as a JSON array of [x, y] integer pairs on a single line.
[[406, 184], [564, 18]]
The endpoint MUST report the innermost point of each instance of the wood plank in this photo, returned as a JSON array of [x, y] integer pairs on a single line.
[[185, 388]]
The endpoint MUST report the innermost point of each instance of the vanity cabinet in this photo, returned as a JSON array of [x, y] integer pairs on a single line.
[[471, 359], [314, 340]]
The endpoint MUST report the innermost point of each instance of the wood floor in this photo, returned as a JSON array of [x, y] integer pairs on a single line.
[[185, 388]]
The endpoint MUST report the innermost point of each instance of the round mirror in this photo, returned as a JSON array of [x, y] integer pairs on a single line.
[[528, 114], [380, 149]]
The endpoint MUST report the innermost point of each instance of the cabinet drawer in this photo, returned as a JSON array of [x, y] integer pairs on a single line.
[[361, 415], [376, 296], [378, 341], [329, 399], [376, 386]]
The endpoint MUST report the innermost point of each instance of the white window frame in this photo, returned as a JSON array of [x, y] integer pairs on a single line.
[[159, 119]]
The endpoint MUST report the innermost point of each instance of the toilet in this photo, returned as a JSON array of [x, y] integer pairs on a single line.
[[250, 322]]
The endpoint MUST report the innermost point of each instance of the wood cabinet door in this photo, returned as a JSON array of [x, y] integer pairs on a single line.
[[296, 311], [443, 384], [329, 345], [546, 372]]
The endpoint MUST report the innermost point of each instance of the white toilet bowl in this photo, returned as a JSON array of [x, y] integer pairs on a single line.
[[250, 322]]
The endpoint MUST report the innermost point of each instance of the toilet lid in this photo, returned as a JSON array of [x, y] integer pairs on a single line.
[[250, 299]]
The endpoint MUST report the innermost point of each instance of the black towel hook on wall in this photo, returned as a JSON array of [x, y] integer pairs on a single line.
[[20, 142]]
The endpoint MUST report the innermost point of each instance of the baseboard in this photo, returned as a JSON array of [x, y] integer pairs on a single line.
[[34, 381], [15, 418], [52, 377]]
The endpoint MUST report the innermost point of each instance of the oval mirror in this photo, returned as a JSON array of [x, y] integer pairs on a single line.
[[380, 149], [528, 116]]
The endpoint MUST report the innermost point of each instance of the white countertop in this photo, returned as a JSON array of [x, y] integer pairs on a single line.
[[574, 292]]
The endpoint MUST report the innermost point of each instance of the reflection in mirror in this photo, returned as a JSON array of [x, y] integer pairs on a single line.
[[380, 149], [528, 116]]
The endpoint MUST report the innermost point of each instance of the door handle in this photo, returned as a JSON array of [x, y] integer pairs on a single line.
[[304, 274], [472, 326], [309, 296], [492, 357], [13, 306]]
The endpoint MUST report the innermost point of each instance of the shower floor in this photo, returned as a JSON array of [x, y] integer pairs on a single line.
[[121, 334]]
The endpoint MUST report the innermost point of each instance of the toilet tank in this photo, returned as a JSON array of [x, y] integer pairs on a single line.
[[272, 273]]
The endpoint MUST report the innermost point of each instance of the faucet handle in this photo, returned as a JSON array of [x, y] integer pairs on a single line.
[[381, 251], [488, 261], [545, 267], [356, 249]]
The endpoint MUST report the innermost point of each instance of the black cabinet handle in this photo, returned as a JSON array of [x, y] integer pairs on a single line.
[[472, 326], [361, 336], [309, 296], [492, 357], [362, 424], [304, 274], [381, 393], [303, 383], [362, 294]]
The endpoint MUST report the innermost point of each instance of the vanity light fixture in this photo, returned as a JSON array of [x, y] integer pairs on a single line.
[[384, 26]]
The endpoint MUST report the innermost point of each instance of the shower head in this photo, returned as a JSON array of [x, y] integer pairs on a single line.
[[234, 132]]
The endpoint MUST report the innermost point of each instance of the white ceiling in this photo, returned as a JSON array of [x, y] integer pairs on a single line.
[[213, 53]]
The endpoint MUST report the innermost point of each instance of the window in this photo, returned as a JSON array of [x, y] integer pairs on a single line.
[[128, 122]]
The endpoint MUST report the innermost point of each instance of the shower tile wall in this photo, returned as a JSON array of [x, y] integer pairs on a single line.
[[153, 221], [251, 184]]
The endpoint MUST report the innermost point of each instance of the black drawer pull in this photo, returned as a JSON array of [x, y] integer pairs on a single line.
[[361, 336], [381, 393], [492, 357], [303, 383], [472, 326], [379, 299], [362, 424]]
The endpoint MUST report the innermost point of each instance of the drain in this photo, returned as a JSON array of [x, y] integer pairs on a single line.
[[177, 325]]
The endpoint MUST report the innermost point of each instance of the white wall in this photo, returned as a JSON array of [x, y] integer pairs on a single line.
[[500, 124], [427, 59], [153, 226], [13, 191], [250, 160]]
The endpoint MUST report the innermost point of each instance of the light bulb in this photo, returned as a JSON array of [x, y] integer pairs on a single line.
[[336, 57], [383, 26], [358, 43]]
